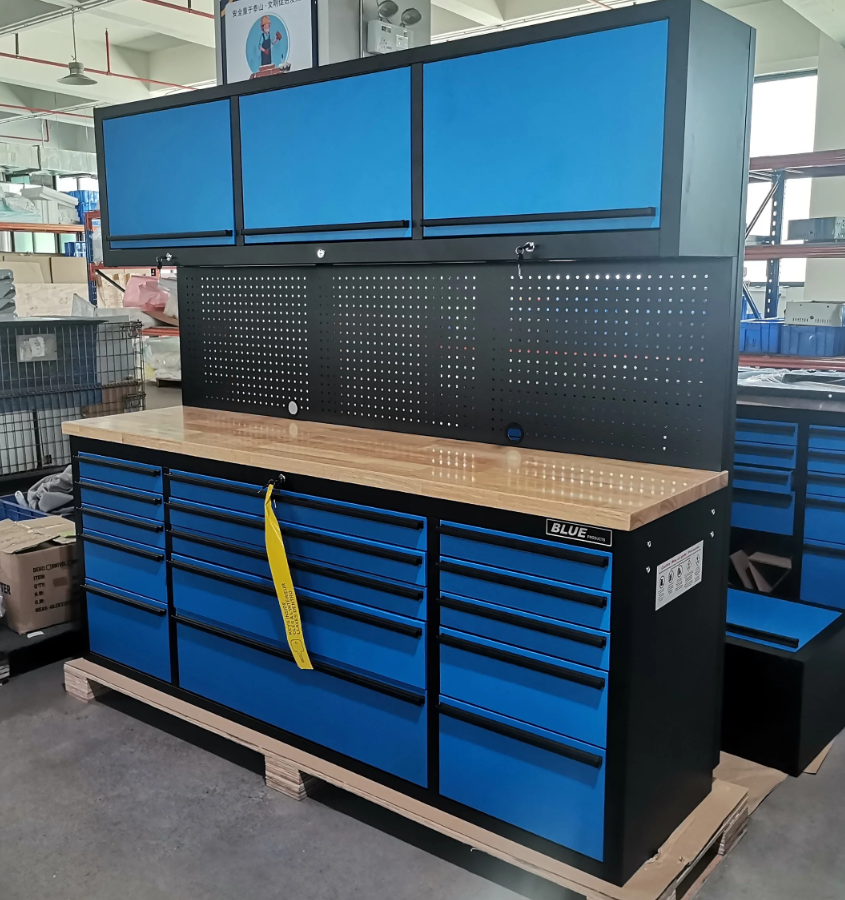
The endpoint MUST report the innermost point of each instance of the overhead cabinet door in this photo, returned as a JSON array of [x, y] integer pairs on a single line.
[[169, 177], [565, 134], [328, 161]]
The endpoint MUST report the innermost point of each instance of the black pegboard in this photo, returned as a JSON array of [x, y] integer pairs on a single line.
[[626, 360]]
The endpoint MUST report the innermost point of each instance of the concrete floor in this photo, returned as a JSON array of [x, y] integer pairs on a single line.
[[114, 801]]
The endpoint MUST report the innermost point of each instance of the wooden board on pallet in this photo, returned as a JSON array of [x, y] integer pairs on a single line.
[[676, 872]]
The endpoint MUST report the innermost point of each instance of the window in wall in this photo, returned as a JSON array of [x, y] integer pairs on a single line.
[[783, 120], [77, 183]]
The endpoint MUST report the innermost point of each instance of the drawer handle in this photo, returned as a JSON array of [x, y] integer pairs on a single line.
[[208, 513], [418, 699], [118, 492], [820, 550], [316, 229], [825, 501], [123, 520], [500, 615], [769, 636], [525, 218], [116, 545], [763, 498], [169, 236], [140, 468], [826, 476], [828, 429], [764, 449], [218, 485], [119, 598], [525, 584], [399, 627], [526, 545], [766, 427], [836, 455], [220, 576], [525, 737], [240, 549], [591, 681], [399, 590], [771, 476], [372, 515]]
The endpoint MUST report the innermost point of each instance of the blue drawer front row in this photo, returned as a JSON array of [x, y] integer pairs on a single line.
[[763, 510], [823, 573], [776, 623], [120, 472]]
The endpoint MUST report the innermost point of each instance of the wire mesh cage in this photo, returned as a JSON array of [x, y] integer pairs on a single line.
[[55, 370]]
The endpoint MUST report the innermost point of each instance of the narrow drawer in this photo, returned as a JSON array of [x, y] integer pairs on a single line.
[[826, 461], [350, 634], [564, 697], [561, 562], [522, 592], [225, 526], [827, 437], [543, 635], [824, 519], [381, 593], [368, 522], [763, 511], [143, 504], [120, 472], [823, 574], [778, 456], [755, 478], [759, 431], [376, 723], [129, 629], [126, 566], [825, 484], [776, 623], [119, 525], [529, 777]]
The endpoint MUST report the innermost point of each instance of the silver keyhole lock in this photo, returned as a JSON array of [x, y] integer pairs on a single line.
[[522, 251], [321, 253]]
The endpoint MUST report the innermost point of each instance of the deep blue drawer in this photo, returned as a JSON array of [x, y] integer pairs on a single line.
[[365, 522], [126, 566], [533, 595], [755, 478], [564, 697], [774, 622], [391, 596], [120, 472], [825, 484], [143, 504], [763, 511], [337, 630], [824, 519], [131, 528], [543, 635], [823, 574], [759, 431], [561, 562], [826, 461], [827, 437], [215, 522], [777, 456], [530, 777], [383, 727], [129, 629]]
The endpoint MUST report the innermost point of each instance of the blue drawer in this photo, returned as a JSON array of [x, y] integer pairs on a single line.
[[763, 511], [755, 478], [126, 566], [561, 562], [826, 461], [143, 504], [564, 697], [336, 630], [120, 472], [543, 635], [530, 777], [533, 595], [759, 431], [366, 522], [220, 523], [378, 724], [773, 622], [824, 519], [777, 456], [131, 528], [827, 437], [825, 484], [381, 593], [129, 629], [823, 574]]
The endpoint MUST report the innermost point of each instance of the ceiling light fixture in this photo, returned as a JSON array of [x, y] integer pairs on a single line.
[[76, 71]]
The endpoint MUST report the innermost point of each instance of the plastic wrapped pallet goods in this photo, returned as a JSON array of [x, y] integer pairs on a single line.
[[54, 206]]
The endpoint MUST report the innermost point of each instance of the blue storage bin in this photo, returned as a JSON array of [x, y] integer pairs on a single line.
[[10, 509], [760, 335], [75, 248], [813, 340]]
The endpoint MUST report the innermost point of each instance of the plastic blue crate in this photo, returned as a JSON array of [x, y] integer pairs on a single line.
[[75, 248], [813, 340], [760, 335], [88, 200], [10, 509]]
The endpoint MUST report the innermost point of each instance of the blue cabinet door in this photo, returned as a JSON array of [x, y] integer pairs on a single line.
[[332, 154], [170, 173], [568, 126]]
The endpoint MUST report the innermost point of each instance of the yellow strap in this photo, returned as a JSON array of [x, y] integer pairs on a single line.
[[284, 583]]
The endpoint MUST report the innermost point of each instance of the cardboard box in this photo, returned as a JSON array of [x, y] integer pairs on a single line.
[[25, 271], [38, 573], [69, 270]]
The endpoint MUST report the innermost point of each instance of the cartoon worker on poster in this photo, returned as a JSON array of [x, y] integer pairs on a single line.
[[266, 42], [267, 47]]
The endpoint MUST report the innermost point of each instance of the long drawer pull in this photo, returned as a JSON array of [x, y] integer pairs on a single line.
[[764, 449], [769, 636], [317, 229], [208, 513], [418, 699], [219, 485], [825, 501], [829, 429], [826, 476], [367, 618], [524, 584], [372, 515], [837, 455], [170, 235], [220, 576], [128, 601], [525, 218], [765, 427], [763, 498], [123, 520], [118, 492], [140, 468], [819, 550], [525, 737], [526, 545], [501, 615], [240, 549], [400, 590], [115, 545], [591, 681], [772, 476]]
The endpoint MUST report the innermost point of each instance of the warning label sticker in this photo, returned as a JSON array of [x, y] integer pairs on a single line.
[[678, 574]]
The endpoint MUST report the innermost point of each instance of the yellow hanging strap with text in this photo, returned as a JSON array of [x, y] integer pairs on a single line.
[[284, 583]]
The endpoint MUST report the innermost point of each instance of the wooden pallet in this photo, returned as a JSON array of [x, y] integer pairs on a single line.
[[675, 873]]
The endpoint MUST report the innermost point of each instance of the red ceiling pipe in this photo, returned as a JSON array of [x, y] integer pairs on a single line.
[[184, 9], [37, 109]]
